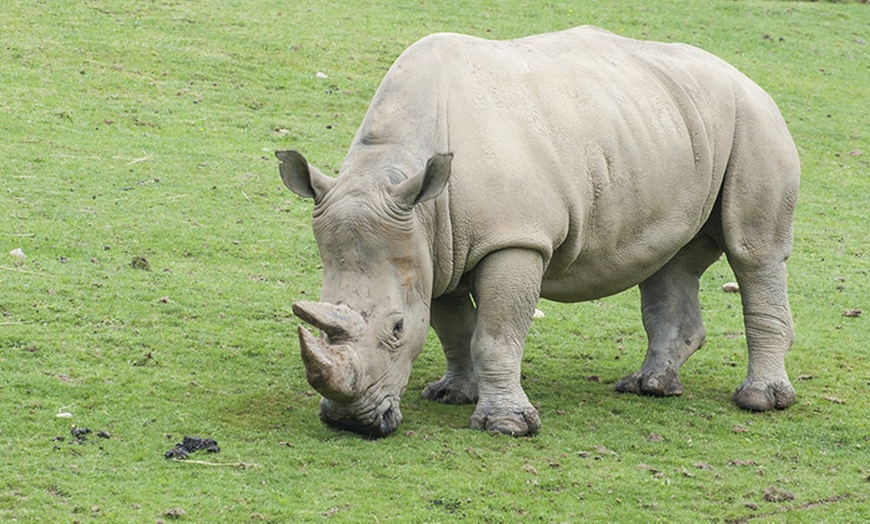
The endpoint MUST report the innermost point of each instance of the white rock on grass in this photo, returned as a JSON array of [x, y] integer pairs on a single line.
[[17, 253], [730, 287]]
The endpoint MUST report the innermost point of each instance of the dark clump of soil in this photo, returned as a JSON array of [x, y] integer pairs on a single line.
[[140, 263], [772, 494], [192, 445]]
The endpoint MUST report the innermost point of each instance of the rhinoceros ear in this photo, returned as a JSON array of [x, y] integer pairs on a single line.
[[300, 177], [425, 185]]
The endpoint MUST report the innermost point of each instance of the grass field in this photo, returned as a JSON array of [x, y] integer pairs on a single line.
[[163, 254]]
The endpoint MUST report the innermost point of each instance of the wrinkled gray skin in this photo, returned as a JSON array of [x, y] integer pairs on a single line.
[[582, 163]]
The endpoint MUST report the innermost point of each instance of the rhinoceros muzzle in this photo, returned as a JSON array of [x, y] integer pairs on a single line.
[[374, 423], [333, 367]]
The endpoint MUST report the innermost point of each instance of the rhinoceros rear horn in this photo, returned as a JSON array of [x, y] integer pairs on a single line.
[[331, 370], [338, 322]]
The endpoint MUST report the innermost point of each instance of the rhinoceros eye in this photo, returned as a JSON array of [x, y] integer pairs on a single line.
[[398, 327]]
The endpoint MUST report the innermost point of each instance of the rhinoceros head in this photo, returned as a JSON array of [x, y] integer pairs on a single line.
[[373, 315]]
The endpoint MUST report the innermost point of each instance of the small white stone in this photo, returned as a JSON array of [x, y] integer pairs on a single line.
[[320, 75], [538, 314], [730, 287], [17, 253]]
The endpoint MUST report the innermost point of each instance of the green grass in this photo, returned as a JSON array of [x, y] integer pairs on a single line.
[[146, 129]]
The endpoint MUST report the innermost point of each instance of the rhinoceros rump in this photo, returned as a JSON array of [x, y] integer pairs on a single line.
[[569, 166]]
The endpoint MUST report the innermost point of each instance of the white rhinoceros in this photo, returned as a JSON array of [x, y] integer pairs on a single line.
[[569, 166]]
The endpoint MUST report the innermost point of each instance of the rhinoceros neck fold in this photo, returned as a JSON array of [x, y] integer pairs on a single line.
[[434, 217]]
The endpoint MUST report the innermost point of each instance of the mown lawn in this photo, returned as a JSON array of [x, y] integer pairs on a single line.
[[145, 131]]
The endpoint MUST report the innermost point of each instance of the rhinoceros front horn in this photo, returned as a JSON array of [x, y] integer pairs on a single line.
[[331, 369]]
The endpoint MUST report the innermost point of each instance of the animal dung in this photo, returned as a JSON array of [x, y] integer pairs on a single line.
[[79, 433], [191, 445]]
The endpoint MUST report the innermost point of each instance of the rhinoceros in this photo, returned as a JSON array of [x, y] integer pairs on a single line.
[[569, 166]]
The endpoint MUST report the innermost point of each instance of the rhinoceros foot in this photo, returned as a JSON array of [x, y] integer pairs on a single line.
[[515, 421], [642, 382], [451, 391], [759, 396]]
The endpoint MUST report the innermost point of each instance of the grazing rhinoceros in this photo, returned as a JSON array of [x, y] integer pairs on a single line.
[[569, 166]]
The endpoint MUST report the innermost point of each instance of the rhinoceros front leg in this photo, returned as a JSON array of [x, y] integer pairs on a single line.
[[672, 319], [454, 318], [506, 287]]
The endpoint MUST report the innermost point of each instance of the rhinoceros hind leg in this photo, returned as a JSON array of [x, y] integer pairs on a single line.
[[758, 199], [454, 318], [765, 397], [450, 390], [769, 335], [672, 320], [642, 382]]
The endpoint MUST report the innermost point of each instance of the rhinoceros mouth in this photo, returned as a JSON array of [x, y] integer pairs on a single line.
[[374, 423]]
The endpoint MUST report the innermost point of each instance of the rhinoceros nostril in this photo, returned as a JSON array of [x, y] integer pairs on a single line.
[[390, 421]]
